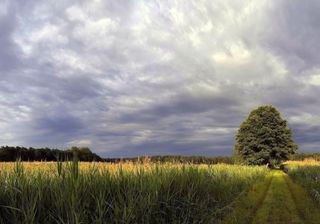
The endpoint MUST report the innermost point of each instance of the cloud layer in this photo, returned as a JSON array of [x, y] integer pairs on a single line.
[[130, 78]]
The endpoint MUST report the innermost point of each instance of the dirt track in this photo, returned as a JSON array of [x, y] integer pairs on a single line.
[[277, 200]]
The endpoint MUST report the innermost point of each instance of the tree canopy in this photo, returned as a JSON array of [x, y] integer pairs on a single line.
[[13, 153], [264, 137]]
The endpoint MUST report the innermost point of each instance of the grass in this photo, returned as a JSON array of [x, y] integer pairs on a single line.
[[123, 193], [245, 207], [278, 205], [276, 199], [307, 174]]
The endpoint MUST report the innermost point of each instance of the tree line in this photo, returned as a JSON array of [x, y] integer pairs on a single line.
[[14, 153], [305, 155], [181, 159]]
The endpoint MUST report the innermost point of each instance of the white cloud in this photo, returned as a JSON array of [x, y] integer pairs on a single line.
[[236, 54], [48, 32], [315, 80], [75, 13], [96, 33], [305, 118], [80, 142], [141, 136]]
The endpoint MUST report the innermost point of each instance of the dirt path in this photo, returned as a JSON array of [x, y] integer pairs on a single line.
[[276, 200]]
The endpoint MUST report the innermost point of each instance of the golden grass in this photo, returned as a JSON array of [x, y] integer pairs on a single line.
[[305, 162], [102, 167]]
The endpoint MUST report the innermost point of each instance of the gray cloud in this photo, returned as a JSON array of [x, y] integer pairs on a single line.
[[294, 26], [132, 78], [9, 54]]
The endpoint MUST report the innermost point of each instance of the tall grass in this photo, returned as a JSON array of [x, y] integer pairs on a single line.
[[307, 174], [69, 192]]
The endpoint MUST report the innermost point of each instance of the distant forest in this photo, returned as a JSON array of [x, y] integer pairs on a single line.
[[183, 159], [14, 153], [209, 159], [9, 153]]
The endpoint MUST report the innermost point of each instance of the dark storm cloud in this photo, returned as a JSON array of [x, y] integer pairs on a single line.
[[9, 53], [61, 124], [295, 28], [182, 104], [130, 78], [205, 148]]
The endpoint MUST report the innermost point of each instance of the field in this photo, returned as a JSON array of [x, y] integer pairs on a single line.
[[146, 192], [72, 192]]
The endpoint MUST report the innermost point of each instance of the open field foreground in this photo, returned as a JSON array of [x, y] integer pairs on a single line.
[[73, 192], [123, 193]]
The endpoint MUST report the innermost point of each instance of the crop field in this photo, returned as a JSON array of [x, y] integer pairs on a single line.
[[72, 192]]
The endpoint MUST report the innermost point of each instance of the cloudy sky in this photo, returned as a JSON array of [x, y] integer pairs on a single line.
[[129, 78]]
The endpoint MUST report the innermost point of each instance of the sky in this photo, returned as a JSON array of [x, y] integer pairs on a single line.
[[132, 77]]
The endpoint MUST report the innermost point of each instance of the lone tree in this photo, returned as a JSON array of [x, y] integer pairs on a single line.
[[264, 138]]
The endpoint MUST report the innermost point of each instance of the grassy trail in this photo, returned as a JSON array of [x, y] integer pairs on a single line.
[[276, 200]]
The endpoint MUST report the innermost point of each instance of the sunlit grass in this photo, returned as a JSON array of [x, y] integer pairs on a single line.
[[307, 174], [276, 199], [305, 162], [72, 192]]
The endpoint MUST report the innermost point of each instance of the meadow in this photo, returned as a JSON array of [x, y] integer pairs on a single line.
[[83, 192]]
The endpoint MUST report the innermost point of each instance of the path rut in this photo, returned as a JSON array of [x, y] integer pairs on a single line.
[[278, 205], [276, 200]]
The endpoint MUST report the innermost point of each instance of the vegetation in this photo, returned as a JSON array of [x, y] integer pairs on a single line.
[[305, 155], [9, 153], [72, 192], [184, 159], [264, 138], [307, 174], [275, 200]]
